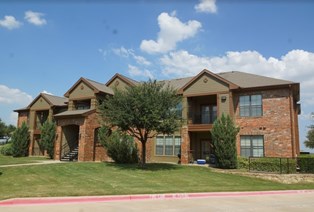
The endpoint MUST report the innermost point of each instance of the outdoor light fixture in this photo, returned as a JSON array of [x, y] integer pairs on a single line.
[[223, 98]]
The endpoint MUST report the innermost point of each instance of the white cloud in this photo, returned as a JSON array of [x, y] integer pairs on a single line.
[[206, 6], [10, 22], [296, 65], [135, 71], [172, 31], [46, 92], [35, 18], [123, 52], [14, 96]]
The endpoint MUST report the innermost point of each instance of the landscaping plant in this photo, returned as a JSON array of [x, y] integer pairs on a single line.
[[20, 141]]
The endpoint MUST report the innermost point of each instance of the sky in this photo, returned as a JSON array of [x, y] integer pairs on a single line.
[[47, 46]]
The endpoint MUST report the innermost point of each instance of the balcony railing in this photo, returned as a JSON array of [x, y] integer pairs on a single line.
[[197, 118]]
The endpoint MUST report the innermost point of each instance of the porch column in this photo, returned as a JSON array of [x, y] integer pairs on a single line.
[[185, 145], [57, 146]]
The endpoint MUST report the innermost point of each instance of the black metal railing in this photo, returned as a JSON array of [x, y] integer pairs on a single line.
[[199, 118]]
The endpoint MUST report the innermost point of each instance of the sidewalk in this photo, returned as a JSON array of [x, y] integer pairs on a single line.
[[39, 162]]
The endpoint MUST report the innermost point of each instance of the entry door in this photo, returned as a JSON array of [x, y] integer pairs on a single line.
[[205, 149]]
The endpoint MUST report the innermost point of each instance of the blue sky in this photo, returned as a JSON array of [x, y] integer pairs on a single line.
[[47, 47]]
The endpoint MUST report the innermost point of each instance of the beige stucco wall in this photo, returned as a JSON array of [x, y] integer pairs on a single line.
[[81, 91], [205, 84]]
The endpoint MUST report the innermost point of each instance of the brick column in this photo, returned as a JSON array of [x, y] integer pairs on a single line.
[[185, 145], [57, 147]]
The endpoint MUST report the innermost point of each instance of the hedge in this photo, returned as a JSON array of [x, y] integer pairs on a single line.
[[277, 165], [306, 164]]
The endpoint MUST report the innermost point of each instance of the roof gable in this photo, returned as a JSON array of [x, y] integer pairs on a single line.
[[128, 81], [213, 76], [96, 87], [50, 100]]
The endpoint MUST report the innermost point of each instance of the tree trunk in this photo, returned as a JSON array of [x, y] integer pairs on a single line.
[[143, 153]]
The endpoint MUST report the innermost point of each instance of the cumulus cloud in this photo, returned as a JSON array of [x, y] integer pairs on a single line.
[[172, 31], [13, 96], [10, 22], [123, 52], [296, 65], [206, 6], [35, 18], [46, 92], [135, 71]]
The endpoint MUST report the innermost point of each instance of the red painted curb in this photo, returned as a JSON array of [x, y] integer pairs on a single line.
[[91, 199]]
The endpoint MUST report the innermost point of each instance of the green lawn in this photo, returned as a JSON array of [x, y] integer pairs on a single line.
[[74, 179], [8, 160]]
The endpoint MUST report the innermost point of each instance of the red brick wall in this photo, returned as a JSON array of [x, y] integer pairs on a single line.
[[275, 124], [22, 117]]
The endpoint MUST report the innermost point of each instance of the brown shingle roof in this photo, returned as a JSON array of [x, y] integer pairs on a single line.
[[74, 113], [99, 86], [55, 100], [246, 80]]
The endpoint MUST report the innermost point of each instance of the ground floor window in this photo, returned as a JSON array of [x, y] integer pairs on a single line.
[[252, 145], [168, 145]]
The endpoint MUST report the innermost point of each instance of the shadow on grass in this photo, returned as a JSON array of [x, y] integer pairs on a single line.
[[148, 166]]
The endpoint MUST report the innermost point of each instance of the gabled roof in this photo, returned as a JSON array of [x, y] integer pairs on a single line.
[[50, 99], [246, 80], [95, 86], [125, 79], [54, 100], [205, 71]]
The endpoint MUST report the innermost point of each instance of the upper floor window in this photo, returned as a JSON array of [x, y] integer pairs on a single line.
[[82, 104], [251, 105]]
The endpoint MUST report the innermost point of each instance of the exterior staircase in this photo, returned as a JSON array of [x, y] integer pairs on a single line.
[[71, 156]]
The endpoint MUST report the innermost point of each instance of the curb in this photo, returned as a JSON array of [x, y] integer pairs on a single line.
[[94, 199]]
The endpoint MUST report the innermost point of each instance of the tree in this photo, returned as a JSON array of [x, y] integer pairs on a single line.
[[48, 133], [20, 141], [6, 130], [224, 134], [309, 142], [143, 111]]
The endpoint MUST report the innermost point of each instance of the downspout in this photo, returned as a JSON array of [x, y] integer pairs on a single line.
[[292, 122]]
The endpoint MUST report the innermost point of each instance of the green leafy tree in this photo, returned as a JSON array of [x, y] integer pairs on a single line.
[[6, 130], [309, 142], [120, 146], [224, 134], [143, 111], [20, 141], [48, 133]]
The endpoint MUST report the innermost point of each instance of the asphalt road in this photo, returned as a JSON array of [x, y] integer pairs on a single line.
[[267, 202]]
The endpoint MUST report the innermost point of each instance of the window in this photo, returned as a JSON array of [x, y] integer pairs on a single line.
[[251, 105], [168, 145], [252, 145]]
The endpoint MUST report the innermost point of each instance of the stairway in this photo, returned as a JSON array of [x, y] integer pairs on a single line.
[[71, 156]]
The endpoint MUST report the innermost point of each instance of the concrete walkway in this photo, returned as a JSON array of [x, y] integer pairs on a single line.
[[38, 162], [299, 200]]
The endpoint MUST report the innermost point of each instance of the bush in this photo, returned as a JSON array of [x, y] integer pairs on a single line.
[[224, 142], [278, 165], [48, 132], [20, 141], [120, 146], [6, 149], [306, 164], [243, 163]]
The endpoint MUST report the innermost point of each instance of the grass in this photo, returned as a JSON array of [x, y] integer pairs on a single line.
[[80, 179], [8, 160]]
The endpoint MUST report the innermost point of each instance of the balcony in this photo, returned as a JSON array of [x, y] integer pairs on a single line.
[[201, 121]]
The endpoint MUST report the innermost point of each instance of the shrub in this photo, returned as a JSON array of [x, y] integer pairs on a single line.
[[20, 141], [278, 165], [243, 163], [48, 132], [120, 146], [6, 149], [306, 164], [224, 141]]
